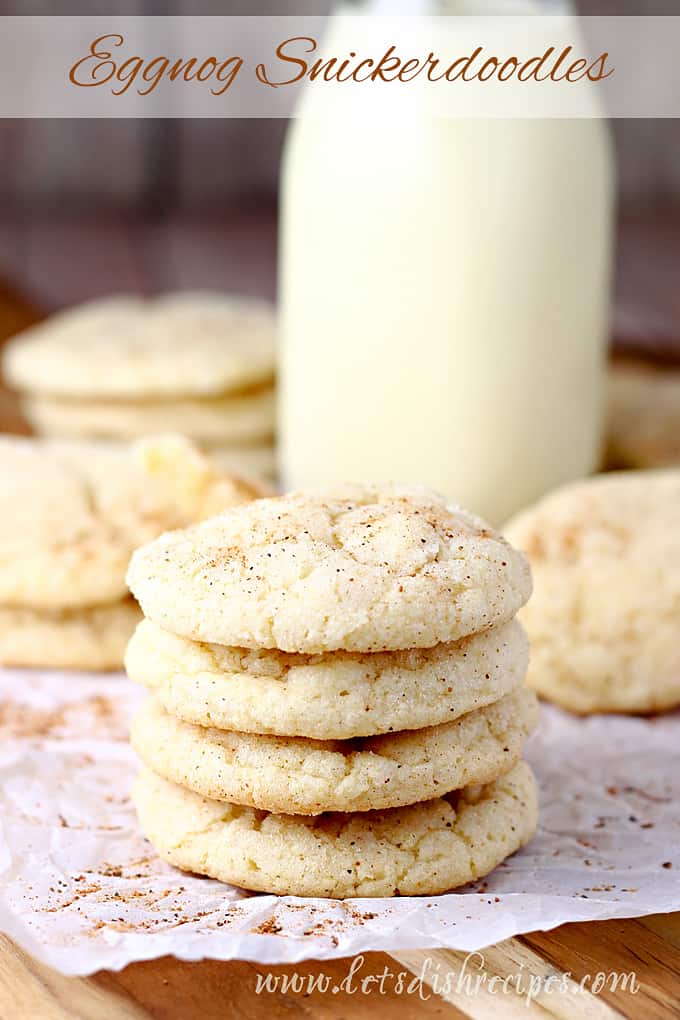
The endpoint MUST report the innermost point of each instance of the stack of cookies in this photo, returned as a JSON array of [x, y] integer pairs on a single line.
[[337, 705], [71, 513], [200, 364]]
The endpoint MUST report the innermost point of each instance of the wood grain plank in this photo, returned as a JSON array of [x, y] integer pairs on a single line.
[[31, 991], [666, 926], [508, 979], [170, 989], [622, 947]]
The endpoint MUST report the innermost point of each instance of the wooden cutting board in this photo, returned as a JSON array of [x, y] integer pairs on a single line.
[[168, 989]]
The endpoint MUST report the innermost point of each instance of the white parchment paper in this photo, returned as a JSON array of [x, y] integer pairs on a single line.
[[81, 889]]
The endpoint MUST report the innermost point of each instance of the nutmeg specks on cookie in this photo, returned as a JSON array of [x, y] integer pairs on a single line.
[[364, 570], [337, 705]]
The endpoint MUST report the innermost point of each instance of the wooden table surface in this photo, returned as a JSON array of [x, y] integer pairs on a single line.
[[61, 260]]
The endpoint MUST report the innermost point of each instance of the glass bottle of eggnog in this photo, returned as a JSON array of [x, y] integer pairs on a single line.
[[444, 289]]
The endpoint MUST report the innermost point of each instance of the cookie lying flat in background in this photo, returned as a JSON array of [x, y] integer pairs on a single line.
[[604, 619], [86, 638], [198, 363], [243, 417], [191, 343]]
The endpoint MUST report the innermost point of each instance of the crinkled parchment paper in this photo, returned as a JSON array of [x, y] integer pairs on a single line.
[[81, 889]]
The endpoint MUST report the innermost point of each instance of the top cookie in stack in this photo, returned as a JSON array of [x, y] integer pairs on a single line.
[[71, 513], [336, 700], [201, 364]]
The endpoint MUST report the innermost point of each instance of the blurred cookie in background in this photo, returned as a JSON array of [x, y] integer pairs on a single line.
[[92, 638], [643, 427], [246, 416], [196, 363], [604, 617], [71, 514], [189, 343], [253, 461]]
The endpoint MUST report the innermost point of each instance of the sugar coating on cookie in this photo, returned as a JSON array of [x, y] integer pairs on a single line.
[[362, 570], [72, 512], [422, 849], [604, 618], [88, 638], [191, 343], [327, 696], [238, 417], [307, 777]]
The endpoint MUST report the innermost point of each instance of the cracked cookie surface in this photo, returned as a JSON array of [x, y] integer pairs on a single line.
[[362, 570], [422, 849], [73, 511], [187, 343], [308, 777], [603, 619], [327, 696]]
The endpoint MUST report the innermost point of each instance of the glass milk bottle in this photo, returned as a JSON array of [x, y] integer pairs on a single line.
[[444, 289]]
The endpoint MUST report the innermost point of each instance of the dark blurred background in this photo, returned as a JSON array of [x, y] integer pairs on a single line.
[[87, 207]]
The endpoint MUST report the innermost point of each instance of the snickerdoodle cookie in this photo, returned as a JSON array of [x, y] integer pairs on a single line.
[[336, 705], [244, 417], [361, 570], [126, 347], [326, 696], [604, 618], [72, 512], [301, 776], [85, 638], [421, 849]]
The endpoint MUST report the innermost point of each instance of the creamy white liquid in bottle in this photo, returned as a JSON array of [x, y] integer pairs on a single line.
[[444, 295]]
